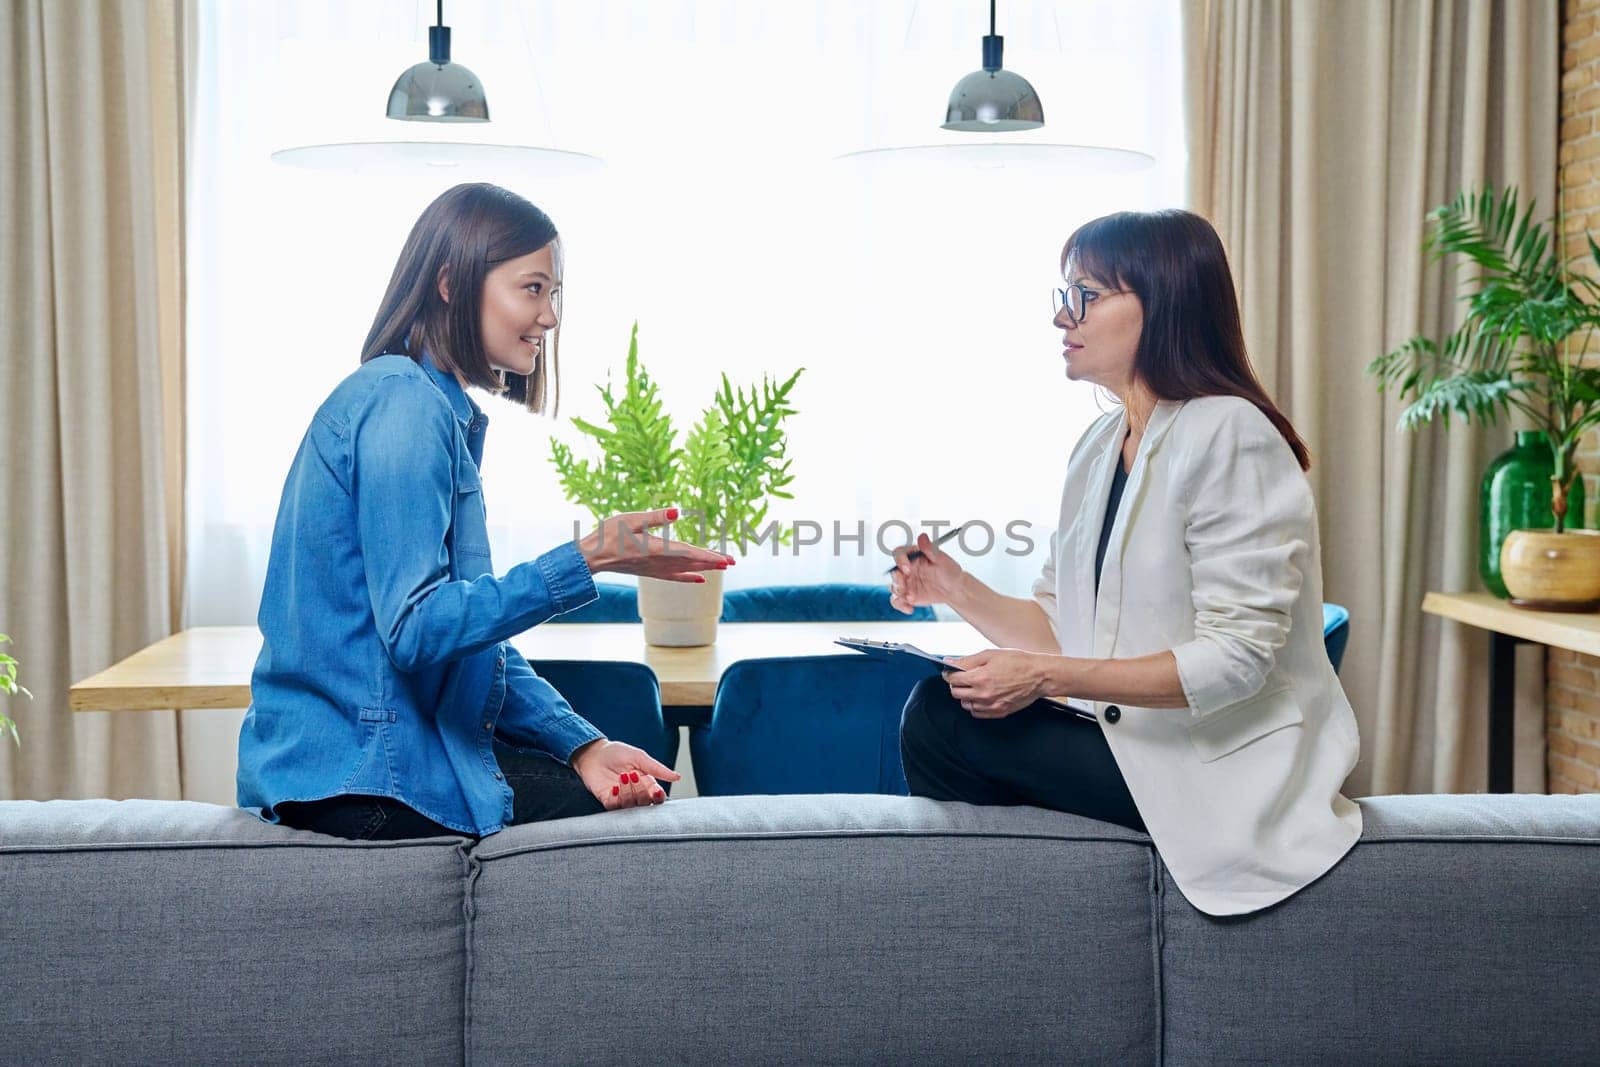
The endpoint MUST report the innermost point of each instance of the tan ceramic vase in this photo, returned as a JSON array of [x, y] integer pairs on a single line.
[[681, 614], [1548, 571]]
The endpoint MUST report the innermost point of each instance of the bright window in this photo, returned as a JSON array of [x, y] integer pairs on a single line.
[[917, 297]]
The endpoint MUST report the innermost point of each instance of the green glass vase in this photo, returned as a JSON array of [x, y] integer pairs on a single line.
[[1515, 495]]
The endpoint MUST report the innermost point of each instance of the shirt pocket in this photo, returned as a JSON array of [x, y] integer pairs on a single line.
[[374, 765], [471, 526], [1229, 730]]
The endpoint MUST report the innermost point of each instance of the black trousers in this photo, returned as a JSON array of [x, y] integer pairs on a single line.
[[1039, 756], [542, 788]]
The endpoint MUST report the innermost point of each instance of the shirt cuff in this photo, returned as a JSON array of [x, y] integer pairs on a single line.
[[567, 577], [566, 734], [1203, 672]]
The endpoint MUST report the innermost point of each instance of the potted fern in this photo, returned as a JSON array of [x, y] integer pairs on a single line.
[[9, 686], [1521, 346], [723, 478]]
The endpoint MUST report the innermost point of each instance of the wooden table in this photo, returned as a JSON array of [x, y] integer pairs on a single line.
[[209, 666], [1509, 627]]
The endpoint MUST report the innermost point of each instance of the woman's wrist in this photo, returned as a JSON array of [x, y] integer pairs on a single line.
[[1060, 675], [965, 594], [585, 750], [590, 554]]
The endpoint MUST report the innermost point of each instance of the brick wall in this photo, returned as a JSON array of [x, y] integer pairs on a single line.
[[1572, 697]]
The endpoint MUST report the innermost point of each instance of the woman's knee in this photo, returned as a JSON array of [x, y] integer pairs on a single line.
[[927, 711]]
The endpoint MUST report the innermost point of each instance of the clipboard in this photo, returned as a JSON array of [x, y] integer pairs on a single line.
[[901, 652], [894, 652]]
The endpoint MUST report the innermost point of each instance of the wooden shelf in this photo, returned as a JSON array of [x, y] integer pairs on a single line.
[[1579, 632]]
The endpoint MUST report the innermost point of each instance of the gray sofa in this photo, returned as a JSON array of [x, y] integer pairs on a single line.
[[829, 929]]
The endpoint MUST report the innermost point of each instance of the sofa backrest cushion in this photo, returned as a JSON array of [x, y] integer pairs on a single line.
[[1459, 929], [160, 931], [813, 929]]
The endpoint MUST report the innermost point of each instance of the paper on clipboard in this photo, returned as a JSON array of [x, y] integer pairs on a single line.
[[900, 651]]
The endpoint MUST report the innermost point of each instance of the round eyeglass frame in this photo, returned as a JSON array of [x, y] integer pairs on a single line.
[[1075, 297]]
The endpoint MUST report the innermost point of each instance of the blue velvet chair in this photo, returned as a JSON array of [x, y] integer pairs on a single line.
[[1335, 632], [805, 724], [823, 602], [622, 700], [617, 603]]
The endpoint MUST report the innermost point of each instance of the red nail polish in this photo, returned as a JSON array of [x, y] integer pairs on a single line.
[[615, 790], [634, 777], [660, 794], [672, 513]]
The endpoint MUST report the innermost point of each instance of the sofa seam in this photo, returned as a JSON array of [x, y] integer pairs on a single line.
[[1492, 839], [455, 840], [1158, 951], [779, 835], [468, 959], [173, 846]]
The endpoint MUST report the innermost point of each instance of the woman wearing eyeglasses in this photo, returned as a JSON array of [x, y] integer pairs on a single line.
[[1182, 600], [386, 702]]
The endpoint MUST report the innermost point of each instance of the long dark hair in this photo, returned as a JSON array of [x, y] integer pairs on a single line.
[[466, 231], [1192, 344]]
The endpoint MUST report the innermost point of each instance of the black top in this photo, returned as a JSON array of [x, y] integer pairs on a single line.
[[1118, 481]]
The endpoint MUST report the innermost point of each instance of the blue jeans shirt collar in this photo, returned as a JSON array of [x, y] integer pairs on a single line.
[[467, 413]]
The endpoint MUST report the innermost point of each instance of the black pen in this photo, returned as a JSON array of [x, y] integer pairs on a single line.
[[941, 539]]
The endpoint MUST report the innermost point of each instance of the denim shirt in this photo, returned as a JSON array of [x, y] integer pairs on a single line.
[[384, 667]]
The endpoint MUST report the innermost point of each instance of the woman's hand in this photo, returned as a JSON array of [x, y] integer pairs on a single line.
[[621, 776], [934, 578], [624, 544], [998, 682]]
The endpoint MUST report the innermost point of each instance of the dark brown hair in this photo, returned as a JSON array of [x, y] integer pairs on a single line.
[[464, 233], [1192, 344]]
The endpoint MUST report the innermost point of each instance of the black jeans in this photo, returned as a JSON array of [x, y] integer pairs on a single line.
[[1039, 755], [542, 788]]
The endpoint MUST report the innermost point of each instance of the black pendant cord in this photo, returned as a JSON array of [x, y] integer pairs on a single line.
[[992, 45], [439, 40], [440, 19]]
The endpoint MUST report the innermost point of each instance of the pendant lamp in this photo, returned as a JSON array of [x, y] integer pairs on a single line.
[[993, 99], [444, 94], [438, 90], [999, 102]]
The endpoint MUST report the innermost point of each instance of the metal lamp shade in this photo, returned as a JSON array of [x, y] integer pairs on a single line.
[[438, 92], [988, 101]]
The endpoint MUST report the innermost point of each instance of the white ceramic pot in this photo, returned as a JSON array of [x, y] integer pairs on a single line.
[[681, 614]]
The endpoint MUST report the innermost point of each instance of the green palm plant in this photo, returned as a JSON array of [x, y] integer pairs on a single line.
[[1515, 347]]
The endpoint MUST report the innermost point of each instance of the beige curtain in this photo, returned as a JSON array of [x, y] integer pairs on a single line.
[[91, 308], [1321, 132]]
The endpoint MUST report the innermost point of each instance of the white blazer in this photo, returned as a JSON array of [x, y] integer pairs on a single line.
[[1215, 556]]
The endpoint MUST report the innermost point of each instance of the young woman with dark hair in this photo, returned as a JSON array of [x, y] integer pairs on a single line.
[[386, 701], [1182, 599]]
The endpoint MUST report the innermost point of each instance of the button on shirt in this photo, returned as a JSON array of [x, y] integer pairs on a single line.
[[1119, 481], [384, 666]]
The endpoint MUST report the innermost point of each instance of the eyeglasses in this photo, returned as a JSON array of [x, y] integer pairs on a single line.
[[1076, 298]]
